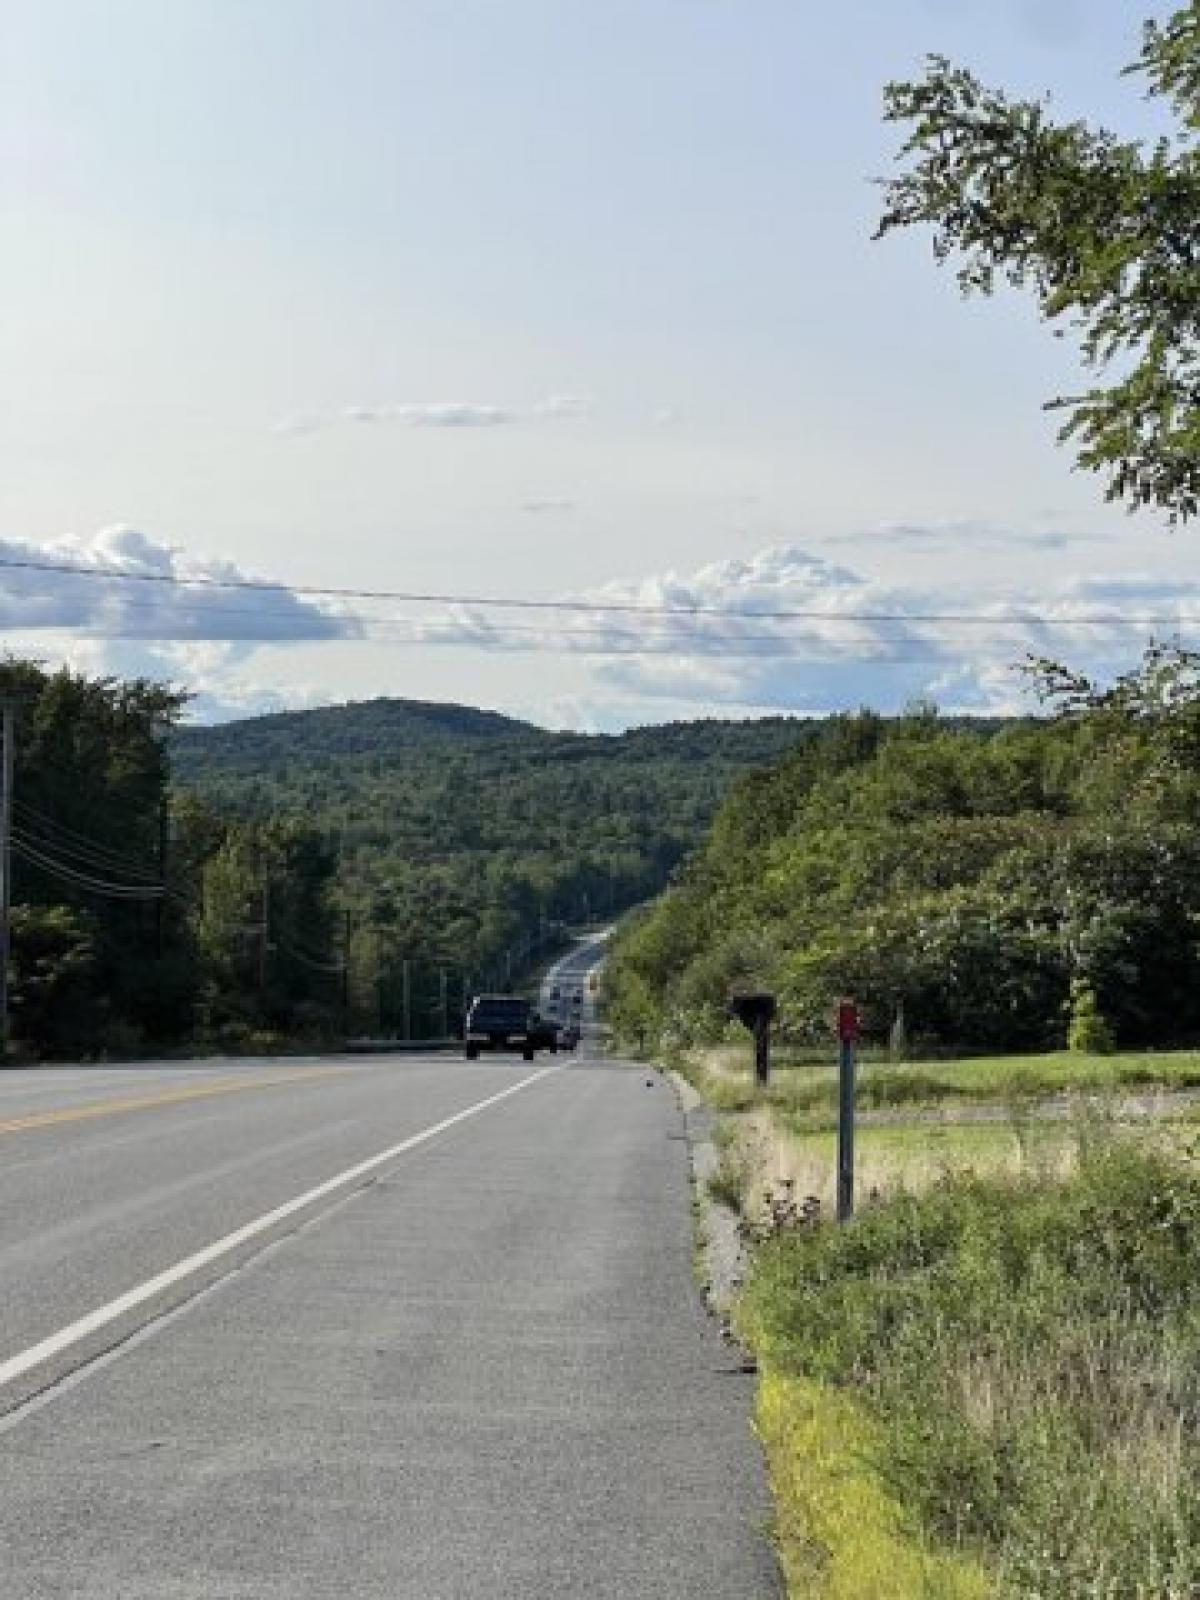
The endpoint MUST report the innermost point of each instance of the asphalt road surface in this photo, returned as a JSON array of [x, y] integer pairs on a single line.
[[396, 1327]]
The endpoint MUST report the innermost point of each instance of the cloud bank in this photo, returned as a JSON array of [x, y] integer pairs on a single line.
[[781, 630]]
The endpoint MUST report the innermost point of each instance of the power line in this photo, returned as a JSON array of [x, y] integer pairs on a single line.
[[80, 880], [597, 607], [70, 843]]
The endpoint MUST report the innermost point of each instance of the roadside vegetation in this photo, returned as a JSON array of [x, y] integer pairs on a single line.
[[990, 1386], [986, 1384], [980, 891]]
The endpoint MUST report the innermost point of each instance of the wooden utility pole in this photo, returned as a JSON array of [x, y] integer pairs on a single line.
[[347, 931], [847, 1027], [7, 763], [264, 934]]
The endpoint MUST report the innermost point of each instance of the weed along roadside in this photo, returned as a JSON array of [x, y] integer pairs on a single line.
[[985, 1382]]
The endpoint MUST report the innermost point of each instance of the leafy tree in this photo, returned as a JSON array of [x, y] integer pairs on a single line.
[[265, 929], [90, 808], [965, 875], [1101, 231], [56, 999]]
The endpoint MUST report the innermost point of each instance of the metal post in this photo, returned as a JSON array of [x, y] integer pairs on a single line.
[[407, 998], [848, 1060], [444, 1004], [6, 798]]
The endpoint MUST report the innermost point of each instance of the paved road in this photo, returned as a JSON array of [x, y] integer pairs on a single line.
[[475, 1367], [572, 975]]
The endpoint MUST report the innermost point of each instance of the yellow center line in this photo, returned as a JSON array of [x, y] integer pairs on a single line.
[[147, 1102]]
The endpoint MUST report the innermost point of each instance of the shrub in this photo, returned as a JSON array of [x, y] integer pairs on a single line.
[[1088, 1033]]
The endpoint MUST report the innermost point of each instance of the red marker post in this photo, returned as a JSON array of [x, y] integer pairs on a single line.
[[847, 1031]]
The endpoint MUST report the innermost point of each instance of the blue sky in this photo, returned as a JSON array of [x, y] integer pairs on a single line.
[[543, 298]]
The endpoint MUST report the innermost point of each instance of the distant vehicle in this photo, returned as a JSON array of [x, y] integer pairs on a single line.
[[569, 1036], [500, 1022], [543, 1032]]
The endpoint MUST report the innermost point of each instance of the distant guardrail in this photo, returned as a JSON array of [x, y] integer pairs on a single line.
[[377, 1047]]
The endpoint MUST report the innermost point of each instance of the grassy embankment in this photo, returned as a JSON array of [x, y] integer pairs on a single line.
[[988, 1384]]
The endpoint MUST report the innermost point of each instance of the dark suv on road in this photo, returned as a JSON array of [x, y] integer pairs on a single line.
[[501, 1022]]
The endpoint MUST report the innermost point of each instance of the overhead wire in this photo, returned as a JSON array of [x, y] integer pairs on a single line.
[[700, 627], [29, 851], [600, 607], [68, 874], [70, 843]]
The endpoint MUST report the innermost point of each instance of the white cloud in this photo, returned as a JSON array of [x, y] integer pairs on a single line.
[[782, 629], [437, 414], [433, 414], [547, 503], [963, 533], [139, 606], [560, 407]]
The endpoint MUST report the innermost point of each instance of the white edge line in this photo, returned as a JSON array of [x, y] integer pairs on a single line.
[[26, 1360]]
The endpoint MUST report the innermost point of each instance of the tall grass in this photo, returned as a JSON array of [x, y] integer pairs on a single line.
[[1026, 1352]]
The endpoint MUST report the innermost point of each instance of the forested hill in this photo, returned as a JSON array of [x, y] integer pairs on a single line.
[[980, 885], [464, 836], [363, 728]]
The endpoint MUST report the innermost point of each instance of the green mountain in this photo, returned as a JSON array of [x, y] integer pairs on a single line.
[[365, 727], [464, 837]]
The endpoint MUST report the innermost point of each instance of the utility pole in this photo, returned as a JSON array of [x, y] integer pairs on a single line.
[[8, 720], [347, 928], [847, 1027], [444, 1004], [161, 904], [264, 934], [406, 974]]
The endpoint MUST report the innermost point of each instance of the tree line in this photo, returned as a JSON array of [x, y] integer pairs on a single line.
[[355, 870], [984, 887]]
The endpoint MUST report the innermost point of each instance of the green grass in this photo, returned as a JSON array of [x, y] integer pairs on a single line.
[[841, 1534], [1000, 1376], [810, 1090]]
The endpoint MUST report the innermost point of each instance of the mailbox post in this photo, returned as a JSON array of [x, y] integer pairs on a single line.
[[847, 1030], [755, 1011]]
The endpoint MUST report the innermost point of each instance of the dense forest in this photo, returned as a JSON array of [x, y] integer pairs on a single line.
[[307, 875], [990, 887], [466, 841]]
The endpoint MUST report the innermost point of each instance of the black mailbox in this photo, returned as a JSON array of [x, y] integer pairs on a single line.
[[752, 1010]]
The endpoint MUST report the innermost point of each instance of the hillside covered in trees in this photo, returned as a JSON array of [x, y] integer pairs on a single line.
[[464, 839], [973, 886], [353, 868]]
